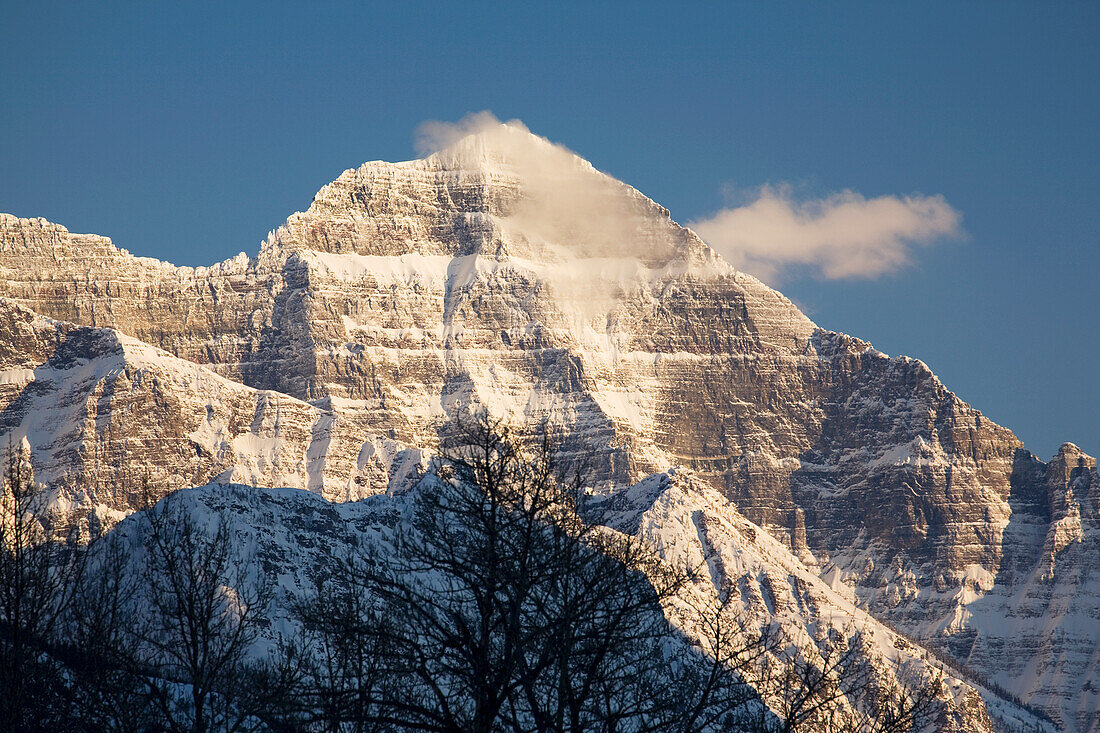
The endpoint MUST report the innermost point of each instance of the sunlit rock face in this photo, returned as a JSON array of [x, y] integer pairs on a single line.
[[506, 272], [108, 418]]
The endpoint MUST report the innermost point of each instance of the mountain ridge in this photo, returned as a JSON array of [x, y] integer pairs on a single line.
[[407, 292]]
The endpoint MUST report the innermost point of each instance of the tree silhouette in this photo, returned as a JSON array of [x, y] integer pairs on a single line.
[[40, 566], [501, 609]]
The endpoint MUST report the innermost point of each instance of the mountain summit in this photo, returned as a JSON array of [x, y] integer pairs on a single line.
[[502, 191]]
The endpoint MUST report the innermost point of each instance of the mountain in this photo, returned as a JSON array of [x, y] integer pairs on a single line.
[[508, 273]]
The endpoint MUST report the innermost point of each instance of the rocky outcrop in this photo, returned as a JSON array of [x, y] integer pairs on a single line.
[[505, 272], [107, 418], [1034, 631]]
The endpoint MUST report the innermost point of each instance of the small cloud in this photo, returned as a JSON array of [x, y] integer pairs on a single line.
[[844, 235]]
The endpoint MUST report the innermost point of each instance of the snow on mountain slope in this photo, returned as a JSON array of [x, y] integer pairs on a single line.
[[507, 272], [692, 526], [288, 537]]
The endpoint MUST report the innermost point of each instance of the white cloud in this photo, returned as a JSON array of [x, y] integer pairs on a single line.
[[844, 235]]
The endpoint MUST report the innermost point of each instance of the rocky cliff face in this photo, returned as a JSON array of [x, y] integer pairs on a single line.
[[1035, 629], [506, 272]]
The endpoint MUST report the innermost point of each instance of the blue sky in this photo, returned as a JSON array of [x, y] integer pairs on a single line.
[[187, 131]]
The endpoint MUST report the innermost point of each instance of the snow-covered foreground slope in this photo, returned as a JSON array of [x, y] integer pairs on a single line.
[[506, 272], [287, 537]]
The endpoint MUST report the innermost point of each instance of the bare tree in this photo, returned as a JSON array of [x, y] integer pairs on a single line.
[[496, 608], [831, 684], [39, 569], [160, 631], [345, 636], [718, 682], [501, 609], [197, 623], [108, 683]]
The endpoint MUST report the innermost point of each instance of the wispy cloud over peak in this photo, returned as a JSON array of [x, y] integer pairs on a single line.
[[433, 136], [843, 235], [555, 202]]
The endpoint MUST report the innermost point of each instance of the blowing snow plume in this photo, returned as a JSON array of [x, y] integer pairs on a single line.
[[564, 207], [843, 235]]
